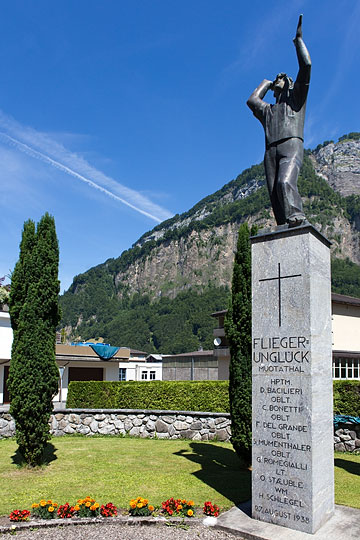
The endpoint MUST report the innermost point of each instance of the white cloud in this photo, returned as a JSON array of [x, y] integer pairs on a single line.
[[43, 147]]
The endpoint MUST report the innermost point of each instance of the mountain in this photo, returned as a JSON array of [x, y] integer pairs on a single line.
[[158, 294]]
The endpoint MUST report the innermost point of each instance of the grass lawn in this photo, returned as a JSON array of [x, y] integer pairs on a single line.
[[118, 469]]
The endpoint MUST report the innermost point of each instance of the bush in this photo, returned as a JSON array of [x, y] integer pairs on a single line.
[[347, 398], [211, 396]]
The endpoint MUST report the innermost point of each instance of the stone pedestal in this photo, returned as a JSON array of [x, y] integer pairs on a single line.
[[293, 464]]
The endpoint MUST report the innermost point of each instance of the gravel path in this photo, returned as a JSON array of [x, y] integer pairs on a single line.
[[124, 532]]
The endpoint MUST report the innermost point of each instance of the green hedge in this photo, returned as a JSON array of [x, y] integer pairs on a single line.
[[347, 397], [212, 396]]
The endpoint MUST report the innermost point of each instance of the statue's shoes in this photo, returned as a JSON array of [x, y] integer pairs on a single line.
[[297, 221]]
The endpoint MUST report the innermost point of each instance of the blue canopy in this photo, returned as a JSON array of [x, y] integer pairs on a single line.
[[345, 419], [104, 351]]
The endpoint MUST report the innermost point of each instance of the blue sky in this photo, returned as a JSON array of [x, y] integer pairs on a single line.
[[115, 115]]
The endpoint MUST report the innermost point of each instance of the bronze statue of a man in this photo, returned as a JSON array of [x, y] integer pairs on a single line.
[[283, 124]]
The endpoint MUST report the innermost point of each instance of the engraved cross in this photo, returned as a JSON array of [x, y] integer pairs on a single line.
[[279, 277]]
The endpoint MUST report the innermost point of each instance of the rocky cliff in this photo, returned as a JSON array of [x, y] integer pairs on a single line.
[[196, 249], [339, 165]]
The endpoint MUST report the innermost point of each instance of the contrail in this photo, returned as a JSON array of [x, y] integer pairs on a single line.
[[42, 147], [46, 159]]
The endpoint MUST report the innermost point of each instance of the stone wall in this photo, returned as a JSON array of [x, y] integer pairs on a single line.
[[198, 426], [347, 438]]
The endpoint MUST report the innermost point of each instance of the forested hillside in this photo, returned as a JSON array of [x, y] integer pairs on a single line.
[[158, 295]]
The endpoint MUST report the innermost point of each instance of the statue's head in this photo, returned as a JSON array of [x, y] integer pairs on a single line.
[[282, 84]]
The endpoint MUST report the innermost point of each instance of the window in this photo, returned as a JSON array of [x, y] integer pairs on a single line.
[[122, 374], [346, 368], [144, 375], [152, 375]]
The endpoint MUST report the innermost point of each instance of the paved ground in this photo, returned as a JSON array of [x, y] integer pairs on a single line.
[[114, 531]]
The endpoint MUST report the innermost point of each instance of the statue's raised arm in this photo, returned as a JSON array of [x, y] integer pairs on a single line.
[[302, 55]]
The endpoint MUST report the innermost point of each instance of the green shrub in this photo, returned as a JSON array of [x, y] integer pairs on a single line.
[[211, 396], [347, 398]]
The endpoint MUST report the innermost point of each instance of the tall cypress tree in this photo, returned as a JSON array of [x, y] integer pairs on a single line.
[[34, 311], [238, 333]]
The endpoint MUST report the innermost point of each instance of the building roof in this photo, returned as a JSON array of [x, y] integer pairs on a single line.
[[135, 351], [344, 299], [195, 353], [219, 313], [84, 353]]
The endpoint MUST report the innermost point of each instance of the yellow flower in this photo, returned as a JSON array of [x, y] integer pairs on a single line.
[[190, 513], [151, 508], [133, 505], [76, 507], [42, 503], [87, 504], [51, 509], [139, 505], [34, 505]]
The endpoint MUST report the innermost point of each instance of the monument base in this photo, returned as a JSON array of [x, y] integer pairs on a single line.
[[343, 525], [292, 433]]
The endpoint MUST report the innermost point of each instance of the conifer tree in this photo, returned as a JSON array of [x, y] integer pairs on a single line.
[[34, 311], [238, 333]]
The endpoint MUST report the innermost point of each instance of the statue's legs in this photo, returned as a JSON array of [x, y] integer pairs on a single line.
[[282, 166]]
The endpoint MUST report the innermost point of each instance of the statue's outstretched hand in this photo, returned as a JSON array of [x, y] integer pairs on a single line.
[[299, 29]]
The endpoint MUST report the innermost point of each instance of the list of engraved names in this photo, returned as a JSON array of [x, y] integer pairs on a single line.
[[281, 429]]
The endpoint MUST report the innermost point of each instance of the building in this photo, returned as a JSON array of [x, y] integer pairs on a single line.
[[80, 362], [193, 366], [346, 336], [345, 332]]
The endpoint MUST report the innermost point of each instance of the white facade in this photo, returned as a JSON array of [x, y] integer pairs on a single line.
[[134, 370], [6, 337]]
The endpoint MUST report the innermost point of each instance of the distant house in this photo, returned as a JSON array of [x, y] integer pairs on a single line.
[[192, 366], [345, 331], [79, 362]]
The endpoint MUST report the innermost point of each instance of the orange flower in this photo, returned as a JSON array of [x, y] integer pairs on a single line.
[[96, 505], [34, 505], [92, 508], [151, 508], [76, 507], [87, 504], [145, 501], [133, 505], [190, 513], [179, 507]]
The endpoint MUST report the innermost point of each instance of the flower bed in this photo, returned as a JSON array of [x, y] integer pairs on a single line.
[[89, 508]]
